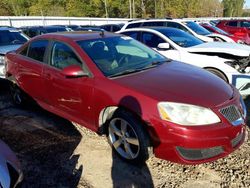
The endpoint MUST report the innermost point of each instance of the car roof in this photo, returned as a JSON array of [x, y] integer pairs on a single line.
[[77, 35], [157, 28], [4, 28]]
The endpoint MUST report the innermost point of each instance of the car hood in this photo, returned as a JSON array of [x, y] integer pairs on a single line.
[[223, 37], [8, 48], [221, 47], [179, 82]]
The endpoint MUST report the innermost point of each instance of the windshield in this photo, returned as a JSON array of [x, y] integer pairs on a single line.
[[117, 55], [181, 38], [11, 37], [197, 28], [219, 30]]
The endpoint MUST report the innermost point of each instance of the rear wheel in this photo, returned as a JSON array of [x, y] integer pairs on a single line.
[[18, 96], [128, 138], [218, 73]]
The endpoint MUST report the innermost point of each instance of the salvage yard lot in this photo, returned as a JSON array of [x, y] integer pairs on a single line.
[[54, 153]]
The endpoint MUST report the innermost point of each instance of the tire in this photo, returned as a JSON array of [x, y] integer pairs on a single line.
[[128, 138], [218, 73], [19, 98]]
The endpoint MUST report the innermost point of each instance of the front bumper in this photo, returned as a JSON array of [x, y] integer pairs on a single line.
[[195, 145], [200, 144]]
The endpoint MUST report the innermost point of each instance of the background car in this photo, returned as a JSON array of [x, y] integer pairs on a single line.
[[165, 23], [33, 31], [239, 28], [199, 30], [112, 27], [228, 61], [10, 39], [144, 102], [10, 169], [215, 29]]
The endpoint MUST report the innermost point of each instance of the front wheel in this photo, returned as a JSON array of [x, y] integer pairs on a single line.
[[129, 138], [218, 73]]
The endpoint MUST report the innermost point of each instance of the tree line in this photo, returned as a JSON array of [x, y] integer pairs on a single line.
[[123, 8]]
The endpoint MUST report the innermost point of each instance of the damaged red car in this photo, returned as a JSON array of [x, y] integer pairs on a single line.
[[145, 103]]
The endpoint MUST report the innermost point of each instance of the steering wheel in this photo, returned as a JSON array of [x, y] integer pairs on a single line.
[[124, 59], [14, 41]]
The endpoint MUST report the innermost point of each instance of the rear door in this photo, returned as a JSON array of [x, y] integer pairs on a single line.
[[30, 69], [69, 97]]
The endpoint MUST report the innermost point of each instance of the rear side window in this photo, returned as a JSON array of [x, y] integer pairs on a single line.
[[37, 50], [133, 25], [151, 39], [232, 23]]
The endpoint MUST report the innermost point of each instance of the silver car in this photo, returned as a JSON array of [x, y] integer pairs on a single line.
[[10, 169], [10, 39]]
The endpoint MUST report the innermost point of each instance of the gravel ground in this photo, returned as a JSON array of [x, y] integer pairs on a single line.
[[54, 153]]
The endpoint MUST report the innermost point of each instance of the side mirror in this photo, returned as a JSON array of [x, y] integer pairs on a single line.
[[163, 46], [74, 71]]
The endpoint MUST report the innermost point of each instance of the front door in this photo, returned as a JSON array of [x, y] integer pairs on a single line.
[[69, 97]]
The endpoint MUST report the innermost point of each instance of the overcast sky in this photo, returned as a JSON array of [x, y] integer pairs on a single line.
[[247, 3]]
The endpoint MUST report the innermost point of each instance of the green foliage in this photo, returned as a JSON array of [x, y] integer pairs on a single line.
[[123, 8], [233, 7]]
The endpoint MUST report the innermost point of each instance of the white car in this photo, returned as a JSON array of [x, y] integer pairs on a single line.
[[187, 26], [201, 31], [229, 61]]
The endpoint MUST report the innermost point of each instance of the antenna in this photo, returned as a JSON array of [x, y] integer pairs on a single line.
[[102, 33]]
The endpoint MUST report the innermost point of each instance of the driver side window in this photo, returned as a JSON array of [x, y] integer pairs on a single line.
[[63, 56], [151, 39]]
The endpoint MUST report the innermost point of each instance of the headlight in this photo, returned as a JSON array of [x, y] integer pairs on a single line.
[[186, 114]]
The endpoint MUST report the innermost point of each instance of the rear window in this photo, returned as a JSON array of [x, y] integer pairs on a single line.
[[12, 37]]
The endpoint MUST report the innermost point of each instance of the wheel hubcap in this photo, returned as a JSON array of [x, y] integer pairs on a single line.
[[123, 138]]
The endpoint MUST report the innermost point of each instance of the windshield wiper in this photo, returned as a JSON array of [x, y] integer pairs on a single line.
[[149, 66], [128, 71], [155, 64]]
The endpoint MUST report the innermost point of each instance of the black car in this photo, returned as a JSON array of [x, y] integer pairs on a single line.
[[32, 31]]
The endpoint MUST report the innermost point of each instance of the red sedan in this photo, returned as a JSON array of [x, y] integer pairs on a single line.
[[215, 29], [239, 28], [115, 85]]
